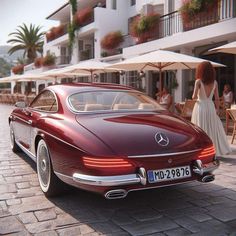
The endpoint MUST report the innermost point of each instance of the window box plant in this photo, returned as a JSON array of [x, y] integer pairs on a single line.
[[18, 69], [198, 13], [49, 60], [38, 62], [83, 17], [112, 40], [145, 27]]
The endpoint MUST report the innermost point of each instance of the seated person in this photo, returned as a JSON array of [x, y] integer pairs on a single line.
[[165, 99], [227, 96]]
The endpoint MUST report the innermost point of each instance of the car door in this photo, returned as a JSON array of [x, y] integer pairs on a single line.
[[25, 120]]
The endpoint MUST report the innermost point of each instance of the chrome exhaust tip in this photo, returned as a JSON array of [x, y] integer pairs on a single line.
[[208, 178], [116, 194]]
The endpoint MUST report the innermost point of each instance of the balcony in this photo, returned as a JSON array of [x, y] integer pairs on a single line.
[[57, 32], [174, 23]]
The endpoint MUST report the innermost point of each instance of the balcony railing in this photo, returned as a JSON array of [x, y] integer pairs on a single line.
[[86, 54], [56, 35], [63, 60], [173, 23]]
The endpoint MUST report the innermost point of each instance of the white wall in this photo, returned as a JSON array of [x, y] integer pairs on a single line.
[[108, 20]]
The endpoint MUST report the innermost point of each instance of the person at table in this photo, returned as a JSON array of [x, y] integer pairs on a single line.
[[227, 96], [165, 99], [204, 112]]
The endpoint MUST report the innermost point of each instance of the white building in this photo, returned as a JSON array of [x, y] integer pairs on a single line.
[[215, 28]]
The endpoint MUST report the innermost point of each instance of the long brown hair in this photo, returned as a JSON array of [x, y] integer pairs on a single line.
[[206, 72]]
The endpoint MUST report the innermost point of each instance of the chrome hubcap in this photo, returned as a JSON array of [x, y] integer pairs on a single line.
[[43, 166], [12, 137]]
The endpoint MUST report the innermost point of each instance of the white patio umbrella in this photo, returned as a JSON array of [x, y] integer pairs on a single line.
[[226, 48], [90, 67], [60, 74], [160, 60]]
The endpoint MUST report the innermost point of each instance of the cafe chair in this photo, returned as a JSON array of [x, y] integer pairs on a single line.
[[188, 109], [232, 114]]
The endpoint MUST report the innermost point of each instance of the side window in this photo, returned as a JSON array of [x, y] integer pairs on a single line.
[[46, 101]]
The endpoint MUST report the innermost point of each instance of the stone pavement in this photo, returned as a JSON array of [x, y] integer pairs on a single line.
[[189, 209]]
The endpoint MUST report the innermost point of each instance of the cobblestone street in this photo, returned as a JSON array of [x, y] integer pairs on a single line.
[[189, 209]]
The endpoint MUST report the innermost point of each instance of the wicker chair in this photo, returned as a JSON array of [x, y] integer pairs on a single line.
[[187, 109], [232, 114]]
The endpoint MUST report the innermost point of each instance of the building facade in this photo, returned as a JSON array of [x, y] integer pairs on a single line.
[[172, 31]]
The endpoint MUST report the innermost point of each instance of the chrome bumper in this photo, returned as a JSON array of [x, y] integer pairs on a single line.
[[117, 180], [202, 169]]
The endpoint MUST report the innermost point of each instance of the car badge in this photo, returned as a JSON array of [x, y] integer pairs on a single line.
[[162, 139], [169, 161]]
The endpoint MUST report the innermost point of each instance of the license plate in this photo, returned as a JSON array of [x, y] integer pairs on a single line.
[[169, 174]]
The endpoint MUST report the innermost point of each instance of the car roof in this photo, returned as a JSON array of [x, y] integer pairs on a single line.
[[71, 88]]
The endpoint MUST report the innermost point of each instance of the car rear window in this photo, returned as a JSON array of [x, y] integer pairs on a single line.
[[94, 101]]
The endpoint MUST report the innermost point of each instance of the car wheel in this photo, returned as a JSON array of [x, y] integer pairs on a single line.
[[14, 146], [48, 181]]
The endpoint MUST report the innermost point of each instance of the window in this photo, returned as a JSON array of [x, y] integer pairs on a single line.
[[113, 5], [132, 2], [46, 101], [111, 101]]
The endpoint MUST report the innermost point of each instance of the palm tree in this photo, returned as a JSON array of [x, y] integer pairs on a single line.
[[28, 39]]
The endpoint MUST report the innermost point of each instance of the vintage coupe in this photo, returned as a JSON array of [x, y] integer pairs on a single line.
[[109, 139]]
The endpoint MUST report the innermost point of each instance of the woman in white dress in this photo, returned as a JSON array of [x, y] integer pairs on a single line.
[[204, 113]]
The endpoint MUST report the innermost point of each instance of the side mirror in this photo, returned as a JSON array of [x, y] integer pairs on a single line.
[[21, 105]]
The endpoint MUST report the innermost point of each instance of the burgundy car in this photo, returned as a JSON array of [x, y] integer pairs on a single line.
[[108, 139]]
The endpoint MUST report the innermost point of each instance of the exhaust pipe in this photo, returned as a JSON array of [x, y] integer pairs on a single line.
[[208, 178], [116, 194]]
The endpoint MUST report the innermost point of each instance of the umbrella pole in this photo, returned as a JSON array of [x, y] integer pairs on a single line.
[[91, 76], [160, 78]]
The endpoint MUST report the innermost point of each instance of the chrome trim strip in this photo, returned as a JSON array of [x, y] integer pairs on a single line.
[[116, 180], [166, 154], [29, 122], [30, 154], [63, 176]]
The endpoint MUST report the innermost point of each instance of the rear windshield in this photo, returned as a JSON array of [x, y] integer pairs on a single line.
[[111, 101]]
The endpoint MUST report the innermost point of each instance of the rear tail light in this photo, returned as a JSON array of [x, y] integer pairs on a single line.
[[95, 162], [207, 152]]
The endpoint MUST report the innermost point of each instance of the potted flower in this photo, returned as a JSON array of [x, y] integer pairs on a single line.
[[83, 17], [49, 60], [59, 30], [112, 40], [38, 62], [198, 13], [145, 27], [50, 36], [18, 69]]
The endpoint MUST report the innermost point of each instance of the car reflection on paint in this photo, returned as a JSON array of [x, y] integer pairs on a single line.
[[108, 139]]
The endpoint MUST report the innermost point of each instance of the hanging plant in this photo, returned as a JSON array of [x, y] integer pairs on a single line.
[[18, 69], [71, 33], [73, 4], [72, 27], [112, 40], [145, 27]]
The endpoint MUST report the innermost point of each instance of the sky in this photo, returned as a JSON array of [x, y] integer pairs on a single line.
[[15, 12]]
